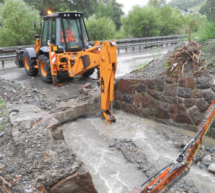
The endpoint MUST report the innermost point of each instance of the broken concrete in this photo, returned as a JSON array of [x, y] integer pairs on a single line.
[[36, 157]]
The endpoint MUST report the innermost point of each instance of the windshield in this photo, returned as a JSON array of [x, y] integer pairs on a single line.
[[71, 33]]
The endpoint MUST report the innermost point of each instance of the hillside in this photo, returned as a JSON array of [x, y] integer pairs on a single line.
[[199, 5], [188, 4]]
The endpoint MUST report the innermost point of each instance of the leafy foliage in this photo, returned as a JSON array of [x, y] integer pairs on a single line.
[[16, 23], [206, 32], [2, 103], [142, 22], [85, 6], [157, 3], [100, 28], [198, 22], [206, 8], [110, 9], [170, 17]]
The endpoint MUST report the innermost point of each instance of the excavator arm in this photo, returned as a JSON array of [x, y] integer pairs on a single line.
[[163, 180], [80, 62], [108, 64]]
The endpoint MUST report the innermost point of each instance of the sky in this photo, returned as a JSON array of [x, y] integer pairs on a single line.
[[129, 3]]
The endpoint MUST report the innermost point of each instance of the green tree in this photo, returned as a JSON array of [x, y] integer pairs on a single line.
[[86, 6], [206, 8], [16, 23], [198, 22], [142, 22], [171, 18], [100, 28], [157, 3], [111, 9]]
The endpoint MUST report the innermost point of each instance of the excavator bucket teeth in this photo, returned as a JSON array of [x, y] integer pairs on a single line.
[[109, 116]]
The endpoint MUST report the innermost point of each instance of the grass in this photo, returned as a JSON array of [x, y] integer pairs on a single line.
[[166, 66], [209, 48], [2, 102], [206, 49], [142, 66], [206, 32]]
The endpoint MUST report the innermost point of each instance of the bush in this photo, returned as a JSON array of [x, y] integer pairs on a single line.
[[100, 28], [16, 23], [206, 32]]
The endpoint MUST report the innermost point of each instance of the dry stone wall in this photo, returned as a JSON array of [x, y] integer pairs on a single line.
[[175, 102]]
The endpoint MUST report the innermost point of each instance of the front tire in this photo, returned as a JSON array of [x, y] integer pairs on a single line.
[[45, 69], [29, 64]]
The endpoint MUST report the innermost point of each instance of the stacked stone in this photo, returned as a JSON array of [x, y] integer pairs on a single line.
[[181, 103]]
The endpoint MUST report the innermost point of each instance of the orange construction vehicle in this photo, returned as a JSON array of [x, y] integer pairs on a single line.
[[64, 47], [163, 180]]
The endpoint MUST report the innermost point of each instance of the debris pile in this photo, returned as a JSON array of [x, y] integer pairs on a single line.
[[186, 61]]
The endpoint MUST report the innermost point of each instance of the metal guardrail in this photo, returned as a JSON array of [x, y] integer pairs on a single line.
[[8, 53]]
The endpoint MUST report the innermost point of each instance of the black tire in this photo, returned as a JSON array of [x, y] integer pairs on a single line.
[[29, 64], [89, 72], [45, 69]]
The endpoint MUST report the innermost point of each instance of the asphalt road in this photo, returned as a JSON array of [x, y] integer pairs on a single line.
[[69, 87]]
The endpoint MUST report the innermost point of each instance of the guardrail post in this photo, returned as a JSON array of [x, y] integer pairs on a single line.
[[1, 51]]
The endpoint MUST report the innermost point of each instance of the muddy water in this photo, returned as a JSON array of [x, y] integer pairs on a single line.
[[208, 141], [110, 171]]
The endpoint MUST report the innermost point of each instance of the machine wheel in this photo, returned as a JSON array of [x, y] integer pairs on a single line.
[[29, 64], [45, 69], [89, 72]]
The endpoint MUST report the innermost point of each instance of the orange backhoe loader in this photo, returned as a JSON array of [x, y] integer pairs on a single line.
[[64, 48], [163, 180]]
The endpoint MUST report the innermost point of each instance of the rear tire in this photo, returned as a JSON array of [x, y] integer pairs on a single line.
[[45, 69], [29, 64], [89, 73]]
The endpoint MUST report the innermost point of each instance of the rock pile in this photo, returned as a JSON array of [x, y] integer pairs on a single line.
[[15, 93], [133, 154], [34, 156]]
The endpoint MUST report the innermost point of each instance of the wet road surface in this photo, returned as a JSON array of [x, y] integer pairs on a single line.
[[127, 61], [111, 173]]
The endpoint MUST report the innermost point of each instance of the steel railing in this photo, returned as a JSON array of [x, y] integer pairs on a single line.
[[8, 53]]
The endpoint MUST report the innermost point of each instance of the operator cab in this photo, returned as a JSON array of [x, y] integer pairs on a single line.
[[67, 30]]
